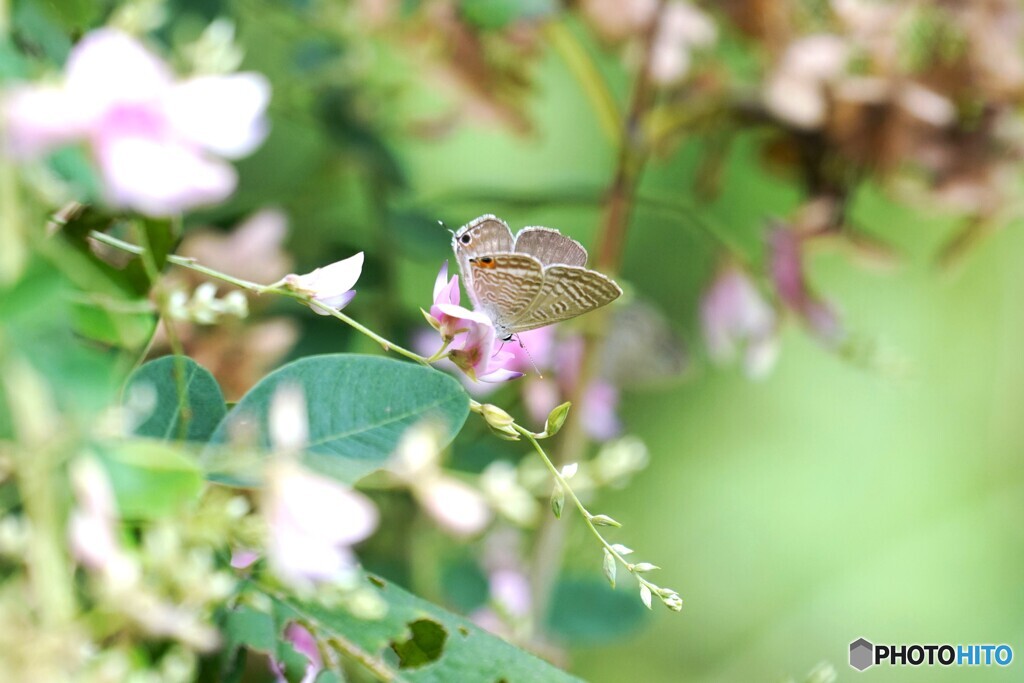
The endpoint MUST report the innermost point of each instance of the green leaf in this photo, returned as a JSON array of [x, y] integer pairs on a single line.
[[248, 626], [495, 14], [150, 479], [586, 611], [359, 407], [192, 417], [464, 653]]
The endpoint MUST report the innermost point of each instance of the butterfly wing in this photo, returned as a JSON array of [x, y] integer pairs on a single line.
[[487, 234], [566, 292], [550, 247], [505, 285]]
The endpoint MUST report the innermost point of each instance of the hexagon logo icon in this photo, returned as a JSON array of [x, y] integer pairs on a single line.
[[861, 654]]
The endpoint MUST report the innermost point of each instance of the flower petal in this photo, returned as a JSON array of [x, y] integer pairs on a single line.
[[37, 119], [161, 178], [223, 114], [337, 302], [108, 67], [442, 280]]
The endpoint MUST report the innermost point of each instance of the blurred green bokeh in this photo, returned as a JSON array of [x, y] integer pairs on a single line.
[[832, 500]]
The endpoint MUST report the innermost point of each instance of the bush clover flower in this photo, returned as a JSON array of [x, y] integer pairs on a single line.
[[330, 285], [158, 142]]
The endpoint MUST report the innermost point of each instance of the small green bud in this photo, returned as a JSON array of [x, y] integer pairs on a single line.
[[499, 421], [645, 595], [508, 434], [674, 603], [642, 567], [621, 549], [609, 567], [495, 416], [431, 320], [556, 418], [603, 520], [557, 501], [569, 471]]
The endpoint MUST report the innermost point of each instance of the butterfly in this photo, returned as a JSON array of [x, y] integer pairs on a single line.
[[522, 282]]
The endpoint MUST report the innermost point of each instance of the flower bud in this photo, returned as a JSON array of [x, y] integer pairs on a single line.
[[557, 501], [556, 418], [645, 595], [609, 567], [603, 520], [643, 567]]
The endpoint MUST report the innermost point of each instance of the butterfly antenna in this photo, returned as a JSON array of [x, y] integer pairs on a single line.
[[528, 355], [441, 223]]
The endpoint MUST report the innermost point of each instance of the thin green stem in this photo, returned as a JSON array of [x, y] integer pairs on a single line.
[[567, 488], [177, 348], [590, 79], [257, 288]]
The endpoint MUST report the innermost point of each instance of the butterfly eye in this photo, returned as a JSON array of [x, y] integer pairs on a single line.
[[465, 239], [486, 259]]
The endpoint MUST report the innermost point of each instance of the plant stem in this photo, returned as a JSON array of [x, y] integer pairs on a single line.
[[575, 56], [257, 288]]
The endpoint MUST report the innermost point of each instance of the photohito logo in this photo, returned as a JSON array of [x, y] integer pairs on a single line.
[[865, 654]]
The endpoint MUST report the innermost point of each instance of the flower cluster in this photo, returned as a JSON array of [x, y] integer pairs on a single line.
[[156, 140]]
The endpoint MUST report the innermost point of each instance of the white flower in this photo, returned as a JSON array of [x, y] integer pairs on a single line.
[[313, 523], [330, 285], [682, 29], [795, 91], [92, 528], [156, 140], [456, 506]]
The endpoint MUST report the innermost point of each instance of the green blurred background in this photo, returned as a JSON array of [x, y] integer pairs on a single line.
[[832, 500]]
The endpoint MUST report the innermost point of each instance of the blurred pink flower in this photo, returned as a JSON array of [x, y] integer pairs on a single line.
[[455, 506], [788, 275], [796, 92], [330, 285], [252, 250], [156, 141], [735, 315], [305, 644], [92, 528], [313, 523]]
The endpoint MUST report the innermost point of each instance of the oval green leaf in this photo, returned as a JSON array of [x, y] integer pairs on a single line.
[[358, 408], [192, 415]]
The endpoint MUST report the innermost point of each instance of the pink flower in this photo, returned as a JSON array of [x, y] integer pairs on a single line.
[[156, 141], [446, 310], [475, 354], [788, 275], [330, 285], [734, 315], [470, 333], [305, 644]]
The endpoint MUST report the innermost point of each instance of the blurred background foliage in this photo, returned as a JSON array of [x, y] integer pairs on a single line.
[[867, 487]]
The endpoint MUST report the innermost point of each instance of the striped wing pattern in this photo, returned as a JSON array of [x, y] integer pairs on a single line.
[[528, 281], [507, 286], [566, 292]]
